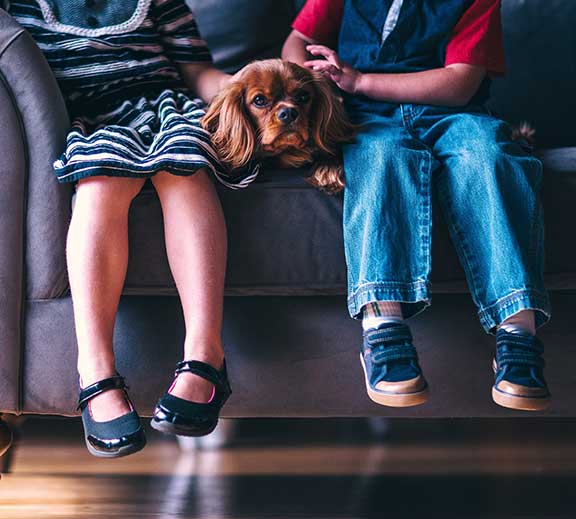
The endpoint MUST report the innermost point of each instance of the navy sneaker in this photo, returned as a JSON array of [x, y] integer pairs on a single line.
[[519, 369], [390, 362]]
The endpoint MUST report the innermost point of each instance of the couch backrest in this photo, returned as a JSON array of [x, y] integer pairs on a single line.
[[540, 41], [239, 31]]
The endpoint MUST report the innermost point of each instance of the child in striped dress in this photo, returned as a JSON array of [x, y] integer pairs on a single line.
[[127, 70]]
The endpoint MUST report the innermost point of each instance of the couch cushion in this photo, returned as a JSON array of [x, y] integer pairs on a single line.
[[239, 31], [285, 238]]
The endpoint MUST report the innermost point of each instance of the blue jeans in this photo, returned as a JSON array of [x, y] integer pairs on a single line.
[[488, 188]]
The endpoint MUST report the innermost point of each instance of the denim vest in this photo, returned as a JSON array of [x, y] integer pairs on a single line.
[[396, 36], [94, 18]]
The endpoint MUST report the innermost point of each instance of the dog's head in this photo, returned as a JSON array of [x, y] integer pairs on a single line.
[[277, 109]]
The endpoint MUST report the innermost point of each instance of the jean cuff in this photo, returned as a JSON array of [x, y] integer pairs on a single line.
[[524, 299], [414, 296]]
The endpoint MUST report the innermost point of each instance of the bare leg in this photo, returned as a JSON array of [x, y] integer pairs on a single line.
[[97, 254], [196, 246]]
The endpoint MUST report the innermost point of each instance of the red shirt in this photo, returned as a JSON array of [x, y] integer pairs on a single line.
[[476, 39]]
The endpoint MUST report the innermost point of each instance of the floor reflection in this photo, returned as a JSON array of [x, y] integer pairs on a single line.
[[304, 469]]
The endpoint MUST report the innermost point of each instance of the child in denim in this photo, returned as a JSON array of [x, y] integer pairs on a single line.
[[414, 76]]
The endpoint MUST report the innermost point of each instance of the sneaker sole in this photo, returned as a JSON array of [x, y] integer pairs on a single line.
[[520, 403], [394, 399]]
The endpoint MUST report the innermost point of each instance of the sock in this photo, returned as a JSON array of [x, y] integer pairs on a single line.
[[522, 322], [375, 314]]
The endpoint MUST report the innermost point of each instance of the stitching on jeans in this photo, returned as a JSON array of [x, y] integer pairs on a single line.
[[426, 236], [539, 301], [537, 235], [419, 287], [515, 297], [426, 217], [363, 287]]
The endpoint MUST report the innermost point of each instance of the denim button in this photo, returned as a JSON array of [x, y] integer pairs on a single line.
[[92, 21]]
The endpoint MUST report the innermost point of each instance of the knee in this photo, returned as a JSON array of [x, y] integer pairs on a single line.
[[492, 161], [487, 141], [385, 172], [108, 193]]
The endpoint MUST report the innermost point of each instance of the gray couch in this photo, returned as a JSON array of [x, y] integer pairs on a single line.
[[291, 348]]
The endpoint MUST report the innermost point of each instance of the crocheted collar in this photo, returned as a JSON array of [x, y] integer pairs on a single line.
[[94, 18]]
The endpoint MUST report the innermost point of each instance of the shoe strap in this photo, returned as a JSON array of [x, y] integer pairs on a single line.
[[205, 371], [530, 343], [93, 390], [392, 334], [391, 343], [384, 355], [519, 350]]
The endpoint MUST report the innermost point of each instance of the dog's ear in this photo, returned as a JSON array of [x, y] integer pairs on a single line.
[[328, 175], [230, 127], [330, 125], [330, 128]]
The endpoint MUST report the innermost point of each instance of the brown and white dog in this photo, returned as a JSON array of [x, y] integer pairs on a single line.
[[278, 111]]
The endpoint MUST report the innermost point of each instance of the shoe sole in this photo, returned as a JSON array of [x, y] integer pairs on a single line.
[[120, 453], [394, 399], [520, 403], [179, 430]]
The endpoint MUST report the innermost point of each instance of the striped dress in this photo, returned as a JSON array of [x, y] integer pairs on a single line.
[[132, 114]]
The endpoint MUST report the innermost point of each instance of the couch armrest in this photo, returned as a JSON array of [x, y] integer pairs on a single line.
[[12, 176], [12, 196], [43, 123], [34, 209]]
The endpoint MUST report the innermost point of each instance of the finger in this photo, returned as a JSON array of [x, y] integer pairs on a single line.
[[321, 50], [315, 62], [318, 48], [325, 66]]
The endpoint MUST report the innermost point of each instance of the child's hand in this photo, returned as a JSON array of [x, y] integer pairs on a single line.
[[341, 73]]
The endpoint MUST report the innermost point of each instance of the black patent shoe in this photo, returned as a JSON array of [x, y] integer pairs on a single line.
[[175, 415], [114, 438]]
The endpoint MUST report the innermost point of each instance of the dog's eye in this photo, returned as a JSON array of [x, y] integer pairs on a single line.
[[260, 101], [302, 97]]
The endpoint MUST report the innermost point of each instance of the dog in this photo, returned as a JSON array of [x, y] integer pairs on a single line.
[[279, 112]]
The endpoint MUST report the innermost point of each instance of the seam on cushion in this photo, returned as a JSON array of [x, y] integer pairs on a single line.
[[10, 92], [11, 41]]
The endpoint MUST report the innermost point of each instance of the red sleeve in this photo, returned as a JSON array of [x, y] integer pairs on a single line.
[[477, 38], [320, 21]]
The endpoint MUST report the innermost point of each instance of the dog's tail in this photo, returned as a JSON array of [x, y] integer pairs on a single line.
[[523, 131]]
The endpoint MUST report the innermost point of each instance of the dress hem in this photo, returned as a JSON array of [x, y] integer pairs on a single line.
[[123, 173]]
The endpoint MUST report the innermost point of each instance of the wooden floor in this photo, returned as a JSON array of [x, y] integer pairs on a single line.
[[284, 469]]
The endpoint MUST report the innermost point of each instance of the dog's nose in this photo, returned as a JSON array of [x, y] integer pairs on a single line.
[[287, 115]]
